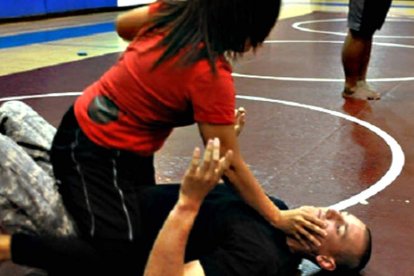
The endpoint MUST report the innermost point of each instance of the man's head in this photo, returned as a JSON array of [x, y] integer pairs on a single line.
[[347, 247]]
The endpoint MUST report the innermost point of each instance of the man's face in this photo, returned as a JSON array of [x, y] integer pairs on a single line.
[[346, 233]]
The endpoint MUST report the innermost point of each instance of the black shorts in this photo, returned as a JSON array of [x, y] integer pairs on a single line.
[[99, 186], [367, 16]]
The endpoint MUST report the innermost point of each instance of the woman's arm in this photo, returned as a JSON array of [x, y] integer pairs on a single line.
[[241, 176], [295, 222], [129, 23]]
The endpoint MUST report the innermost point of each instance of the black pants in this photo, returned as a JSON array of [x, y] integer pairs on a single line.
[[98, 185]]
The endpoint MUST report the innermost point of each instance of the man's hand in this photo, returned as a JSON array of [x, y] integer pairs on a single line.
[[167, 254], [202, 176]]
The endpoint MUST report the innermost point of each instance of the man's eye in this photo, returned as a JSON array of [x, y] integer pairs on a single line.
[[340, 229]]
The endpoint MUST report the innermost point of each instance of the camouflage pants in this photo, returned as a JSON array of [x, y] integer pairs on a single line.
[[29, 200]]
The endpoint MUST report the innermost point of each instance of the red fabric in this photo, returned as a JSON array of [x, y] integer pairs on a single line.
[[154, 6], [153, 102]]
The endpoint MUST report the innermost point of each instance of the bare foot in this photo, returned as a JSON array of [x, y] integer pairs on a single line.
[[364, 84], [361, 92]]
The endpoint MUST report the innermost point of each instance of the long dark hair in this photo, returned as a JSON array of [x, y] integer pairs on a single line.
[[210, 28]]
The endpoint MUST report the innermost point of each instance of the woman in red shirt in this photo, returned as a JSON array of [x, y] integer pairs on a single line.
[[175, 72]]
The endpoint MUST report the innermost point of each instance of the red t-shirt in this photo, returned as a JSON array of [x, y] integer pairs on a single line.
[[152, 102]]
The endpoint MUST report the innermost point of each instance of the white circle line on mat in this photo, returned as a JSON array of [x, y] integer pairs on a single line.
[[397, 163], [398, 158]]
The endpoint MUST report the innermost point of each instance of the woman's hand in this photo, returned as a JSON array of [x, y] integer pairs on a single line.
[[240, 114], [302, 224]]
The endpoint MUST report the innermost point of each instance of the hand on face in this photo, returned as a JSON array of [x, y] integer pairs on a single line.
[[345, 232], [346, 236], [343, 229], [203, 175], [303, 225]]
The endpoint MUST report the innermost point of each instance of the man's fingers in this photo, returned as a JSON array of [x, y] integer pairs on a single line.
[[215, 164], [212, 165], [228, 158], [195, 162], [216, 149], [211, 157], [208, 151], [224, 163]]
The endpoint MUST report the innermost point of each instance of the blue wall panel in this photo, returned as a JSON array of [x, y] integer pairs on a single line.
[[53, 6], [20, 8]]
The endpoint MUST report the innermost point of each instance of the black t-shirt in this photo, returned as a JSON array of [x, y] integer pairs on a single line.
[[228, 237]]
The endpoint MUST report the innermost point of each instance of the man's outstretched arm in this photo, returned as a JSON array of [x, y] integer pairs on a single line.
[[167, 254]]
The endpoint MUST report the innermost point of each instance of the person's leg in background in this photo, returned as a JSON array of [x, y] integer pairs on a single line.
[[356, 54], [365, 17]]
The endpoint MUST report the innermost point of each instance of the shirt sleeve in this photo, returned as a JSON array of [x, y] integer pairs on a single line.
[[154, 7], [213, 96]]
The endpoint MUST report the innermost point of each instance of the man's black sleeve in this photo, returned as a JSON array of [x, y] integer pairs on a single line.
[[250, 248]]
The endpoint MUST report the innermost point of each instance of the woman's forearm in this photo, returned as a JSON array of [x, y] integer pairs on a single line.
[[239, 173], [251, 191]]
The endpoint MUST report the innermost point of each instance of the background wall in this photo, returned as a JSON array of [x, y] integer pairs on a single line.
[[24, 8]]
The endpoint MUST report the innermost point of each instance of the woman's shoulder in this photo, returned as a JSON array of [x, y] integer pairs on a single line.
[[222, 69]]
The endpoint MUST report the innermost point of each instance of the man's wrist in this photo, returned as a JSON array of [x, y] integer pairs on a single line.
[[186, 204], [185, 213]]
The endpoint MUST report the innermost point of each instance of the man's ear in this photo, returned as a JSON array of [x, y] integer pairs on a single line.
[[326, 262]]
